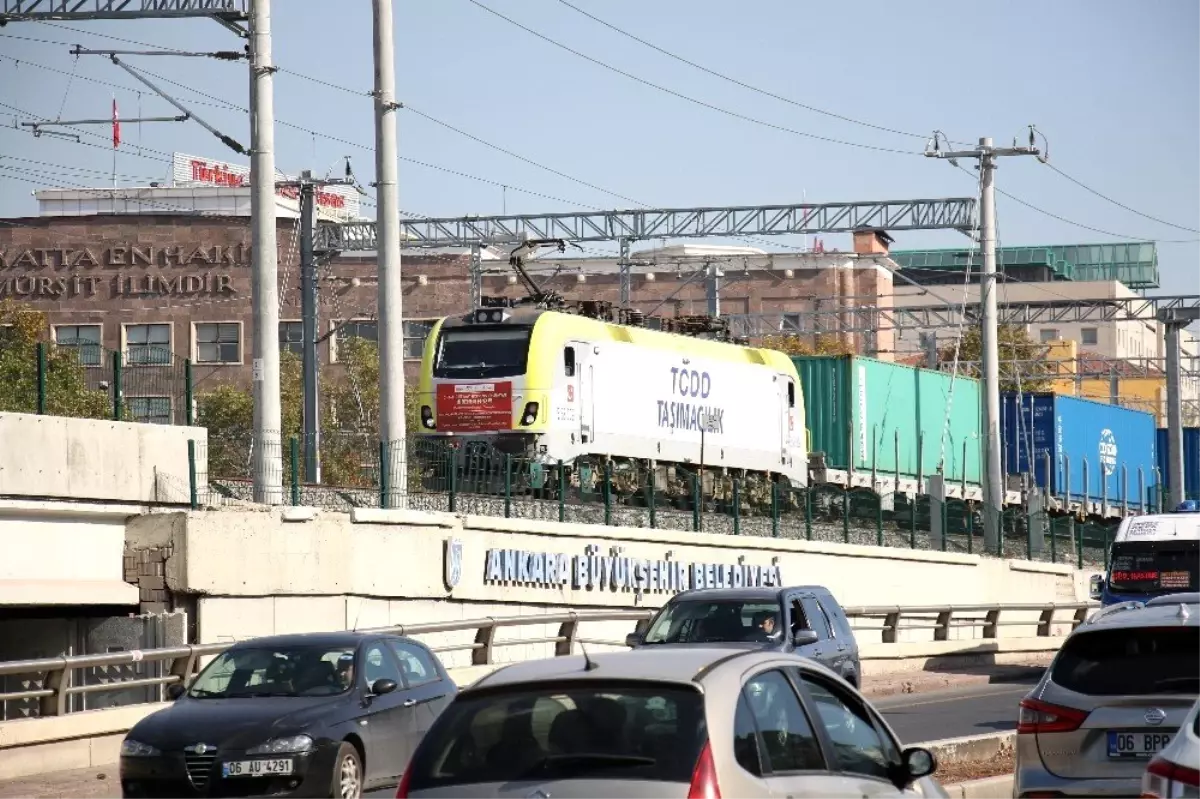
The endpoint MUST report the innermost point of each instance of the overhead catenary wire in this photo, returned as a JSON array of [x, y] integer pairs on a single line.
[[688, 98], [742, 84], [634, 77]]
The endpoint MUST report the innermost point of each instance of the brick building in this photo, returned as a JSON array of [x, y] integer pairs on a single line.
[[148, 283]]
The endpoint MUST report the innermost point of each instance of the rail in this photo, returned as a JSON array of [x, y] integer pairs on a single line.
[[182, 661]]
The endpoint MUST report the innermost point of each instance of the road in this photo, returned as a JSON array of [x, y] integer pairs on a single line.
[[954, 713], [927, 716]]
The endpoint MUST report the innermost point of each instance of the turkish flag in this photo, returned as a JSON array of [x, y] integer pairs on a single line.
[[116, 126]]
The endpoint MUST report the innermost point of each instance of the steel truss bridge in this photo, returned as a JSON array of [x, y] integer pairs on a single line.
[[673, 223], [17, 10], [863, 319]]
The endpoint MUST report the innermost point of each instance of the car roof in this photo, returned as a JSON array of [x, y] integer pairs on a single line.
[[1133, 615], [348, 638], [682, 665], [743, 594], [1182, 598]]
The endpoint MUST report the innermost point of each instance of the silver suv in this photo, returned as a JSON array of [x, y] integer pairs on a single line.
[[694, 721], [1113, 697]]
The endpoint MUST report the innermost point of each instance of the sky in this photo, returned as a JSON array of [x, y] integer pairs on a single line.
[[1113, 86]]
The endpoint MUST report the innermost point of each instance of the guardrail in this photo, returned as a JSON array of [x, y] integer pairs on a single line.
[[182, 661]]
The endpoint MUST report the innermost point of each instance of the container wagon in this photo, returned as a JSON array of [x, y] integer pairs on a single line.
[[1114, 446], [1191, 461], [865, 414]]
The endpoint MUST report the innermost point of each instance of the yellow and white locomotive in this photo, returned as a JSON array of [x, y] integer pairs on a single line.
[[547, 386]]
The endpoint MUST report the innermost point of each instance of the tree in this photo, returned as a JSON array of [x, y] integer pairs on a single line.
[[818, 344], [349, 409], [1023, 366], [67, 391]]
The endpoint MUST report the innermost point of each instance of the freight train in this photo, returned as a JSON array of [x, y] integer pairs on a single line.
[[645, 406], [691, 415]]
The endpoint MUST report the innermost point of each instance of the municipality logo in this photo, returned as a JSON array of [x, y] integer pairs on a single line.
[[453, 563], [1108, 451]]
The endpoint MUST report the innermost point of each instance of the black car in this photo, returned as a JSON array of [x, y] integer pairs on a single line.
[[804, 619], [325, 714]]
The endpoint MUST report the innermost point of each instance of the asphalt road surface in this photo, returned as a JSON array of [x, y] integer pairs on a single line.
[[954, 713]]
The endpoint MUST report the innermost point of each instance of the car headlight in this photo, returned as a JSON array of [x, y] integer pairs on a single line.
[[293, 744], [132, 748]]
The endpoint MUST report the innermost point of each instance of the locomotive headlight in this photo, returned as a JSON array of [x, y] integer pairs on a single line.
[[427, 418], [530, 415]]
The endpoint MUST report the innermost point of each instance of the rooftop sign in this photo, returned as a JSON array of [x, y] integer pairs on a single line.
[[339, 202]]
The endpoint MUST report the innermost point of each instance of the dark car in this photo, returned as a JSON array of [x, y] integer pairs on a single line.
[[803, 619], [325, 714]]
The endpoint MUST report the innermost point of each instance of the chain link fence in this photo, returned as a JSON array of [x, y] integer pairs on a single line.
[[143, 384], [476, 478]]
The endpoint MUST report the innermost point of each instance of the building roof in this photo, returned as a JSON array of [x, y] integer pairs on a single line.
[[1133, 263]]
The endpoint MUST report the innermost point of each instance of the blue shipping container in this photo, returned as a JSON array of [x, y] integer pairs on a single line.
[[1191, 461], [1076, 431]]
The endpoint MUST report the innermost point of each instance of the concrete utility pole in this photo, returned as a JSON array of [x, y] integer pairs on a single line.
[[994, 470], [392, 432], [1175, 320], [264, 276], [307, 187]]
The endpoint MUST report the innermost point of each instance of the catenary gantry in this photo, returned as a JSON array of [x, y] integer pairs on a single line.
[[672, 223]]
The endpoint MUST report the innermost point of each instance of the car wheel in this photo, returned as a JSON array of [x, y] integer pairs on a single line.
[[347, 773]]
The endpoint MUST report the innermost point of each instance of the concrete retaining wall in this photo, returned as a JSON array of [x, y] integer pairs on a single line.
[[293, 570], [52, 457]]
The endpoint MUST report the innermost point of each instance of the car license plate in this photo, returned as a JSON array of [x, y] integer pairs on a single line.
[[1137, 744], [257, 768]]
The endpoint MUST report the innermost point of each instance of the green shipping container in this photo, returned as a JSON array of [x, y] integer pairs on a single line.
[[857, 408]]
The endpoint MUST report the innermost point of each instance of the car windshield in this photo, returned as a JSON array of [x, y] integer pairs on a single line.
[[721, 621], [1124, 662], [465, 353], [1155, 567], [596, 731], [276, 671]]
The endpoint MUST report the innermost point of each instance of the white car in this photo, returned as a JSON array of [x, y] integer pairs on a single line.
[[1175, 772]]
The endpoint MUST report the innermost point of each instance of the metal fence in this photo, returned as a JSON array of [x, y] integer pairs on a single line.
[[441, 476], [47, 684], [144, 384]]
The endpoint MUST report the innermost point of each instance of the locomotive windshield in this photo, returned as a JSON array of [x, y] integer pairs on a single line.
[[482, 352]]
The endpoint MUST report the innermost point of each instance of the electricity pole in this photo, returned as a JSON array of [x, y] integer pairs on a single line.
[[307, 187], [1174, 320], [264, 276], [993, 494], [392, 434]]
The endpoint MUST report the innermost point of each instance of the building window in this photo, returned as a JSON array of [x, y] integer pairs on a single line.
[[147, 345], [84, 339], [415, 333], [8, 333], [1089, 335], [1049, 334], [219, 342], [366, 329], [149, 410], [291, 338]]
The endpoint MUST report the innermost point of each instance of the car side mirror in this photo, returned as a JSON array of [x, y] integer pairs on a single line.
[[915, 763], [805, 637], [1096, 586], [633, 639], [383, 686], [176, 690]]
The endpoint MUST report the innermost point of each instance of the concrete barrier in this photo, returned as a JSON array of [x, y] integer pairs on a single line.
[[54, 457], [973, 747], [987, 788]]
